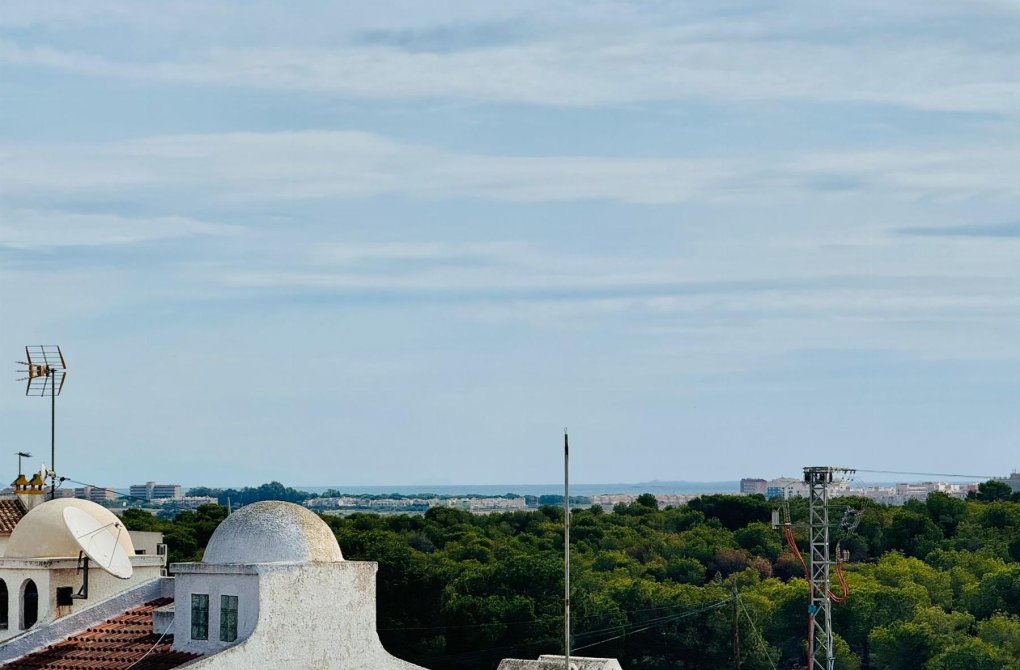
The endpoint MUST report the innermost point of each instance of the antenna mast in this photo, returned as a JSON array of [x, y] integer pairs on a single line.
[[45, 372], [566, 551]]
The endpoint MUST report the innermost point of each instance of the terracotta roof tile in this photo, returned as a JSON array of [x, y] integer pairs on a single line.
[[114, 644], [11, 511]]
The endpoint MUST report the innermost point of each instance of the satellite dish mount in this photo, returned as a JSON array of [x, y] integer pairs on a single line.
[[99, 543]]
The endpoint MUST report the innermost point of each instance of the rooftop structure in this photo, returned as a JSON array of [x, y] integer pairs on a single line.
[[42, 567]]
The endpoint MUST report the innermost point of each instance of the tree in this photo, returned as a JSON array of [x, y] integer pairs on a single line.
[[970, 654], [902, 646], [993, 490], [647, 500], [946, 511]]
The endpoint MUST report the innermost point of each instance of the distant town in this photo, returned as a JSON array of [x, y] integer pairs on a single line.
[[168, 499]]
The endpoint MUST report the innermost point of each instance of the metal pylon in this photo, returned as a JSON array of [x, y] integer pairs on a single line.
[[819, 607]]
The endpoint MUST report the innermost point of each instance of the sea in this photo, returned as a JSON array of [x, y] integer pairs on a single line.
[[533, 489]]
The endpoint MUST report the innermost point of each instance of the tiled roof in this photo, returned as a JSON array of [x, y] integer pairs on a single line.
[[11, 511], [116, 644]]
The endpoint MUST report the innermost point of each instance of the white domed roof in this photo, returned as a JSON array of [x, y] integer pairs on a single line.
[[272, 532], [42, 532]]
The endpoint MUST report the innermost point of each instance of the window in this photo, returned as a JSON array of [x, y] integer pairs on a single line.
[[3, 605], [199, 616], [228, 618], [29, 604]]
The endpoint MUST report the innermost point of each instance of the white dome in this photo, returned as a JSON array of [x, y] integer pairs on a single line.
[[272, 532], [42, 532]]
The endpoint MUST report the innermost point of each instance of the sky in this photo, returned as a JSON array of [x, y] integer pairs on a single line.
[[409, 242]]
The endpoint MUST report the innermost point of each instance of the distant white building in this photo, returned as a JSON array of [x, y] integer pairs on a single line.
[[1013, 481], [750, 486], [786, 487], [548, 662], [154, 491]]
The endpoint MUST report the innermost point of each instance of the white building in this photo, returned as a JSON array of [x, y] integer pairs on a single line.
[[154, 491], [786, 487], [273, 591], [548, 662], [41, 569]]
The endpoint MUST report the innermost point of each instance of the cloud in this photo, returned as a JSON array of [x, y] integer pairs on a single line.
[[260, 167], [37, 229], [600, 56], [1006, 230]]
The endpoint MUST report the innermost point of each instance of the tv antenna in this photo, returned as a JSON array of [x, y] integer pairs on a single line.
[[21, 455], [45, 372]]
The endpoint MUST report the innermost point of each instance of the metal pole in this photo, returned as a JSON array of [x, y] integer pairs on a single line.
[[566, 552], [53, 435]]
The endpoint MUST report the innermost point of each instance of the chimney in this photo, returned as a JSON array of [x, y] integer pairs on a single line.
[[30, 492]]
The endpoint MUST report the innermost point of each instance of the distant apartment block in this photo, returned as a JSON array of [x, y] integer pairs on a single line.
[[753, 486], [786, 487], [1013, 481], [154, 491], [94, 493]]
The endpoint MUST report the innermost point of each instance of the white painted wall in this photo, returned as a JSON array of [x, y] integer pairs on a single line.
[[49, 574], [313, 616], [215, 581], [146, 541]]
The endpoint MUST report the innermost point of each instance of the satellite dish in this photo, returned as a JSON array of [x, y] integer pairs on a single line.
[[100, 542]]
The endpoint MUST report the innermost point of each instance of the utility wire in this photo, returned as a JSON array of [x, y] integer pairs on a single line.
[[557, 617], [758, 636], [924, 474], [103, 488], [155, 644], [641, 626], [645, 627]]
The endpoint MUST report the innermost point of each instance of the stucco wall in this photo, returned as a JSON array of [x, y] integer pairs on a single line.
[[312, 616], [242, 581], [49, 574], [146, 541]]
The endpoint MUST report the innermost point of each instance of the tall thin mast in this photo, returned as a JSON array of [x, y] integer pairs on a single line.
[[566, 551]]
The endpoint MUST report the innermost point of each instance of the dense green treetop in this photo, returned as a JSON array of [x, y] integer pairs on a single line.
[[933, 585]]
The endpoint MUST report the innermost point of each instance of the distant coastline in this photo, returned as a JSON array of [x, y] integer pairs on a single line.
[[534, 489]]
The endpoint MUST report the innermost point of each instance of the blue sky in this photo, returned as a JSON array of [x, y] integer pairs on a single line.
[[409, 242]]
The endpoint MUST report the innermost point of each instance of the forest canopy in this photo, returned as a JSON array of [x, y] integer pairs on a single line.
[[934, 585]]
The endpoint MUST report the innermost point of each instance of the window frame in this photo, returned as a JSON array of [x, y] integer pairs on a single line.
[[228, 618], [199, 616]]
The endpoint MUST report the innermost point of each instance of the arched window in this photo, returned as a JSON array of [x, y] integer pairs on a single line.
[[29, 604], [3, 605]]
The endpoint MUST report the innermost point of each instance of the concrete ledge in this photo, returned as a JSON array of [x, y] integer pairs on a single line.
[[61, 629], [163, 618]]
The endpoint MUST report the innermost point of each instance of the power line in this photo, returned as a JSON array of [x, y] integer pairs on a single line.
[[758, 635], [556, 617], [636, 627], [925, 474]]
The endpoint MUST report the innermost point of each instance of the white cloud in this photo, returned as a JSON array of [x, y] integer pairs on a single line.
[[36, 229], [607, 54], [256, 167]]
